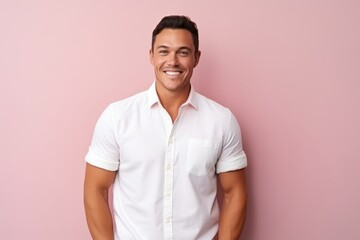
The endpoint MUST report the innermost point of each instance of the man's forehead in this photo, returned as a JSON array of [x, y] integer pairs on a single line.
[[174, 37]]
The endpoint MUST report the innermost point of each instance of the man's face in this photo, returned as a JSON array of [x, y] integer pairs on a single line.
[[173, 57]]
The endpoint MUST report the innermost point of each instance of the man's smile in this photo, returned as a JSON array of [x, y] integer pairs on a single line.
[[172, 72]]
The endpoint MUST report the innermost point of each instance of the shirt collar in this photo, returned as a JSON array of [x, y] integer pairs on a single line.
[[154, 98]]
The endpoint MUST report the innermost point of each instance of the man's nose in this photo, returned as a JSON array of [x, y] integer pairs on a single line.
[[173, 60]]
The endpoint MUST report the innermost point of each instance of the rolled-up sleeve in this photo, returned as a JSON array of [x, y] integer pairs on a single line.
[[104, 150], [232, 156]]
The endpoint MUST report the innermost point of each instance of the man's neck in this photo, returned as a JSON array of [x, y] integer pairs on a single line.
[[172, 100]]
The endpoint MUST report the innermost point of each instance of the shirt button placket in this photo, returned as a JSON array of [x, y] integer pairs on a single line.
[[168, 189]]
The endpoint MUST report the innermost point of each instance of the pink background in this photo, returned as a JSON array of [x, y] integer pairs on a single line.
[[289, 70]]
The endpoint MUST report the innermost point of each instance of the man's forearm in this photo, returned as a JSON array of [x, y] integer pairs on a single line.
[[98, 216], [232, 218]]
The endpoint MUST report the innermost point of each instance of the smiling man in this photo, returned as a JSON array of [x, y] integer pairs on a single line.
[[163, 151]]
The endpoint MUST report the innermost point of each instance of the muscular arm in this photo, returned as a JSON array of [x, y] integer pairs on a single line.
[[233, 211], [98, 215]]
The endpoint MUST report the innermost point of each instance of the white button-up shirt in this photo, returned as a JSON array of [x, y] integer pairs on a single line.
[[166, 182]]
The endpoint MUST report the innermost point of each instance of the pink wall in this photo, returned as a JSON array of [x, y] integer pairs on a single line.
[[289, 70]]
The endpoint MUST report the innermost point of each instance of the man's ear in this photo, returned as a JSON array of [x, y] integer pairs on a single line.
[[151, 56], [197, 58]]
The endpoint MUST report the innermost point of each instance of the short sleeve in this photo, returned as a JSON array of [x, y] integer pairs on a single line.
[[232, 156], [104, 151]]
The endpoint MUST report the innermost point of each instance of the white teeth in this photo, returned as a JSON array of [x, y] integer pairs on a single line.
[[172, 73]]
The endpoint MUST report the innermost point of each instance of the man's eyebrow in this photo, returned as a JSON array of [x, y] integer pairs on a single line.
[[180, 48], [162, 46], [185, 48]]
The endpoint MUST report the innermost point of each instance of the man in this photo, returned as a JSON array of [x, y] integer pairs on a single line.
[[162, 150]]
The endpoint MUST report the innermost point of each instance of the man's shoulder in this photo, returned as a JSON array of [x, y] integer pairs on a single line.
[[209, 104]]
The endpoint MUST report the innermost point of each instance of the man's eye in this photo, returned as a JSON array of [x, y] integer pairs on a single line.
[[163, 52], [183, 53]]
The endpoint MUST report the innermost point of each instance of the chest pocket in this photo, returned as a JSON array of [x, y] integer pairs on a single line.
[[201, 156]]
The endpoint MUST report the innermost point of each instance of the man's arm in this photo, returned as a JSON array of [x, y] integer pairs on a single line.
[[98, 215], [233, 211]]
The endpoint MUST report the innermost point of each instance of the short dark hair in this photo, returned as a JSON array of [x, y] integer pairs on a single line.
[[177, 22]]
